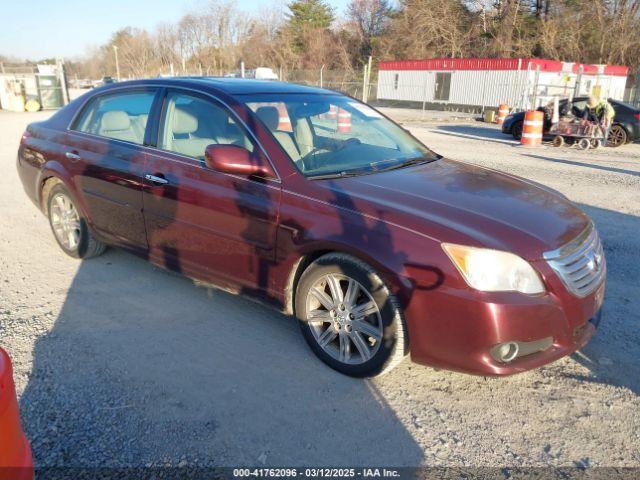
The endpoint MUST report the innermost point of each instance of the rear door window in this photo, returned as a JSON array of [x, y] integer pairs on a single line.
[[121, 116]]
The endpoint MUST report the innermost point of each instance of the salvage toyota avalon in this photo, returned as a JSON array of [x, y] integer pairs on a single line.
[[318, 203]]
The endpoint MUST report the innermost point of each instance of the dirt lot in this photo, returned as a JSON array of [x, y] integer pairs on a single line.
[[119, 363]]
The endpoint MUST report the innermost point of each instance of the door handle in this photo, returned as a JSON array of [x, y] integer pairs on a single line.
[[155, 179], [72, 156]]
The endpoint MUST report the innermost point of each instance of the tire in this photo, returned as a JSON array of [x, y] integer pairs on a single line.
[[596, 143], [617, 136], [69, 228], [368, 336], [516, 130], [584, 144], [558, 141]]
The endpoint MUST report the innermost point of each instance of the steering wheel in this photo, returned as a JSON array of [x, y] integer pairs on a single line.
[[348, 142]]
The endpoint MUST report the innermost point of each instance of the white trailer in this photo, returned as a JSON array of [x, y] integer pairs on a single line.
[[475, 83]]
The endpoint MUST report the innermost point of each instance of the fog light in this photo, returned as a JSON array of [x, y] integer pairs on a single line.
[[505, 352]]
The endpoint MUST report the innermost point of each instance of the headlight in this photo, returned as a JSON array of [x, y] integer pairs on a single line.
[[494, 271]]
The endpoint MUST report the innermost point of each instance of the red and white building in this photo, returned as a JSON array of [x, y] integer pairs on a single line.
[[479, 82]]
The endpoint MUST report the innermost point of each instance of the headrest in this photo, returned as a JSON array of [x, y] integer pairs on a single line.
[[269, 116], [115, 120], [184, 122]]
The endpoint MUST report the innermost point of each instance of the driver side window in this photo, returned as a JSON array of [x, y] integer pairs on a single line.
[[191, 123]]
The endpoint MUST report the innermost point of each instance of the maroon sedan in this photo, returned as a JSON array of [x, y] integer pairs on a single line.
[[323, 206]]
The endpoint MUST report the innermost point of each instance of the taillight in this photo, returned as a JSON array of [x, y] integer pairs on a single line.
[[637, 116]]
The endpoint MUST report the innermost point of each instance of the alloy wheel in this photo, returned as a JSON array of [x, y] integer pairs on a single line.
[[617, 136], [344, 318], [65, 221]]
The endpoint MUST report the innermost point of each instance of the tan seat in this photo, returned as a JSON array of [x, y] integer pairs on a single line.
[[186, 124], [271, 117], [140, 124], [117, 124]]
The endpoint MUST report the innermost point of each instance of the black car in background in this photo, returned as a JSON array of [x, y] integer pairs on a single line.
[[625, 128]]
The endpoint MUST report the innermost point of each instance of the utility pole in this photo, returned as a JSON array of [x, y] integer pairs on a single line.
[[115, 51]]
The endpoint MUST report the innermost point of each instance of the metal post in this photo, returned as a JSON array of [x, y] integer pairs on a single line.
[[367, 80], [115, 51], [535, 89], [578, 85], [321, 69], [63, 81], [242, 69], [424, 93], [364, 84]]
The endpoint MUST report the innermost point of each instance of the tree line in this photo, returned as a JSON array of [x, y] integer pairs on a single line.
[[308, 34]]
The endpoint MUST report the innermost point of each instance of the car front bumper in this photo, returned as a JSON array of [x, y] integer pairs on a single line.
[[456, 329]]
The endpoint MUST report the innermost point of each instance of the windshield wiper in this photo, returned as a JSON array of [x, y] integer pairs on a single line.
[[374, 168], [346, 173], [407, 163]]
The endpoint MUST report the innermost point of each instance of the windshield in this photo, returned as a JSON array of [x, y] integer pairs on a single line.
[[330, 135]]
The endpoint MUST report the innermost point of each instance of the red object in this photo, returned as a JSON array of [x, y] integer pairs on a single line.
[[284, 121], [344, 121], [532, 129], [637, 116], [16, 462], [237, 160], [499, 64], [503, 111], [257, 234]]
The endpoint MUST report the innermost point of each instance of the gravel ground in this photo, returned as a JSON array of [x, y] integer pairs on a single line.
[[119, 363]]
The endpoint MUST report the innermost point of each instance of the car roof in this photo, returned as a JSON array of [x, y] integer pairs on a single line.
[[230, 86]]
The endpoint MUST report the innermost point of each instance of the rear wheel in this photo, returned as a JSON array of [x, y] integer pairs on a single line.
[[617, 136], [558, 141], [584, 144], [349, 318], [69, 228]]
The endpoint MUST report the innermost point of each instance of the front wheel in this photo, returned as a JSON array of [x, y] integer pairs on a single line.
[[69, 228], [349, 317]]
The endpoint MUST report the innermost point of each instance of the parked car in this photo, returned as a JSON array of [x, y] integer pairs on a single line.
[[625, 128], [379, 246], [16, 462], [104, 81]]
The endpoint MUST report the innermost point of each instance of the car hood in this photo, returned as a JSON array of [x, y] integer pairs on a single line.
[[451, 201]]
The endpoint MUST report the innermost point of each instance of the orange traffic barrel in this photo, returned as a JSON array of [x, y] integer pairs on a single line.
[[344, 121], [284, 122], [333, 112], [532, 128], [503, 111]]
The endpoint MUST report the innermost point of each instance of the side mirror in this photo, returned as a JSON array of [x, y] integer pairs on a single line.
[[237, 160]]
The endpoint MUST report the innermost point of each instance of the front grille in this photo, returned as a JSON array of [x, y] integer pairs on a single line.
[[580, 264]]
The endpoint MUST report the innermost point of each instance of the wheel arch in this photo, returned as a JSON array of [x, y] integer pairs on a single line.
[[394, 282]]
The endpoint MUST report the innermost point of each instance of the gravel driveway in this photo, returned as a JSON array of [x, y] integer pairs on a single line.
[[119, 363]]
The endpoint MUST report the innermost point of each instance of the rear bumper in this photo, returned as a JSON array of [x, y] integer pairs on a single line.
[[457, 329]]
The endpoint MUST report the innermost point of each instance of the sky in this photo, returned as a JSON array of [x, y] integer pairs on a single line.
[[37, 29]]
